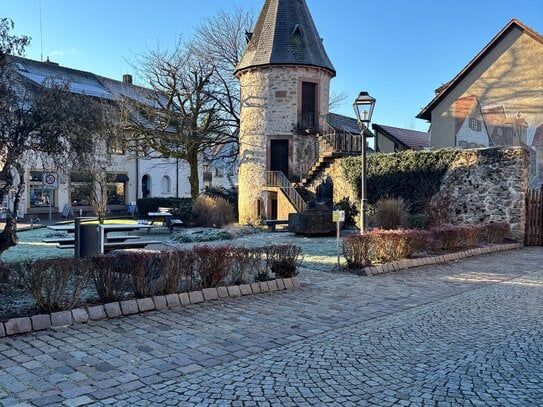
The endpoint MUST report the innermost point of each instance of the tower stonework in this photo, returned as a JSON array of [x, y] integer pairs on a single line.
[[285, 80]]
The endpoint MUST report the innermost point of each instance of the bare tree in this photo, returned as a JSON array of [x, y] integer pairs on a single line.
[[221, 40], [180, 117], [37, 121]]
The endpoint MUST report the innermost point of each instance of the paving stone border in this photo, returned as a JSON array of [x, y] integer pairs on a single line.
[[427, 261], [112, 310]]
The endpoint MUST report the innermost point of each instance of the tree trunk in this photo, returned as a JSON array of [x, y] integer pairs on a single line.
[[8, 237], [194, 178]]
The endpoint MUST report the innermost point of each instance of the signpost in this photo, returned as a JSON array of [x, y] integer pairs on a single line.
[[50, 182], [338, 217]]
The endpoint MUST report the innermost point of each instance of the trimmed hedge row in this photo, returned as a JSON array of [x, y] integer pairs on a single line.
[[57, 284], [381, 246]]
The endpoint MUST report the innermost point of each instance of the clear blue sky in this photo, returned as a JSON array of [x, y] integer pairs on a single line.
[[398, 50]]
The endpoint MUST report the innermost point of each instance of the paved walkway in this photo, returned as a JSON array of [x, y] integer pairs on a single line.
[[465, 333]]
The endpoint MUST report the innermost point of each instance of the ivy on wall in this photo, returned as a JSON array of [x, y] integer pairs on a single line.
[[414, 176]]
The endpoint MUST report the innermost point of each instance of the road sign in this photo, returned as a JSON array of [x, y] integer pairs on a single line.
[[50, 180], [338, 216]]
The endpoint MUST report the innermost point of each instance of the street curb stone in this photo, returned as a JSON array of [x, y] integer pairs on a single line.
[[234, 291], [62, 318], [255, 288], [245, 289], [222, 291], [210, 294], [173, 300], [196, 297], [97, 312], [272, 285], [18, 326], [184, 299], [80, 315], [288, 283], [264, 287], [129, 307], [40, 322], [146, 304], [2, 330], [160, 302], [113, 310]]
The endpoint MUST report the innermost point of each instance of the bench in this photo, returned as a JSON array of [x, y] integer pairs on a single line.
[[71, 240], [272, 223], [138, 244], [173, 223]]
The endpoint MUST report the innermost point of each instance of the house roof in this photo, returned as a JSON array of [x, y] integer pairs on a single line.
[[444, 90], [79, 82], [343, 123], [416, 140], [285, 34]]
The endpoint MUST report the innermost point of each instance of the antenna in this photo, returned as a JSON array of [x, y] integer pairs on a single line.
[[41, 33]]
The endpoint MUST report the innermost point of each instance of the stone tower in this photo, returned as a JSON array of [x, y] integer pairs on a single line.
[[284, 77]]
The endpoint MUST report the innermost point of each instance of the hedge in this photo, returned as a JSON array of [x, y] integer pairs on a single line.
[[415, 176], [146, 205]]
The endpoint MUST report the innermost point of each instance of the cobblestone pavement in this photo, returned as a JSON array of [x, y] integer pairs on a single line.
[[465, 333]]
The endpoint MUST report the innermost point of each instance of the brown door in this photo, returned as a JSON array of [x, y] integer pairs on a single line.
[[279, 156]]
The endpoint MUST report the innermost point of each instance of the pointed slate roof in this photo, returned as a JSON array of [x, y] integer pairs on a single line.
[[285, 34]]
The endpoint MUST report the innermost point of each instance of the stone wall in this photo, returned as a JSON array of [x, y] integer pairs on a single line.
[[481, 185], [487, 185]]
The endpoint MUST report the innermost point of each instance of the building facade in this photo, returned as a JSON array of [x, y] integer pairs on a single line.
[[496, 100]]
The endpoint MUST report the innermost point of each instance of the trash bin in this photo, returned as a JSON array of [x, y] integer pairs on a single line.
[[87, 238]]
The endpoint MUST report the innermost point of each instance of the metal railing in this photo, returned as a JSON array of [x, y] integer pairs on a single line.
[[278, 179]]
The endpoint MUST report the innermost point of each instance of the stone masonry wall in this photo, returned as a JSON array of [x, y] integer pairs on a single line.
[[269, 109], [482, 185], [487, 184]]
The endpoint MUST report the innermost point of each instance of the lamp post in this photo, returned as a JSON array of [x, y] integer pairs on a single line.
[[363, 108]]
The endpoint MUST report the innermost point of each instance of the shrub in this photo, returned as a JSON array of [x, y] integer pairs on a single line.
[[212, 211], [55, 284], [356, 250], [283, 260], [230, 195], [213, 264], [495, 232], [244, 263], [391, 213], [111, 285], [471, 235], [5, 271], [351, 211], [447, 237]]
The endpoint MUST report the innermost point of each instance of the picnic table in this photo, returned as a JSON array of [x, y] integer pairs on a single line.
[[95, 240]]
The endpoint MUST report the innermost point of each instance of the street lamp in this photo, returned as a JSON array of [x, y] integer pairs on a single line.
[[363, 108]]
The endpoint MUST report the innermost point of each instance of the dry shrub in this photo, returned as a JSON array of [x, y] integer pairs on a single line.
[[356, 249], [212, 211], [471, 235], [245, 262], [145, 269], [111, 285], [175, 265], [495, 232], [437, 212], [5, 271], [213, 264], [55, 284], [447, 237], [391, 213], [283, 260]]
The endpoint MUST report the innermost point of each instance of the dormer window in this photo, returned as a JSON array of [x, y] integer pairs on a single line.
[[474, 124]]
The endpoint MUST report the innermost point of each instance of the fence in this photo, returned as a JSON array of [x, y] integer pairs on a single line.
[[534, 217]]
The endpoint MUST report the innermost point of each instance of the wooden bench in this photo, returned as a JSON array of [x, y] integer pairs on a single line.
[[272, 223]]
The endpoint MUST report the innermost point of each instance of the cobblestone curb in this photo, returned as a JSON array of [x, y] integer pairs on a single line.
[[112, 310], [427, 261]]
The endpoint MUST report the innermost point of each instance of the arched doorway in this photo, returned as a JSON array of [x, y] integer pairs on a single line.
[[145, 186]]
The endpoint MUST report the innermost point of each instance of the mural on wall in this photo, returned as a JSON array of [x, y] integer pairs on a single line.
[[502, 123]]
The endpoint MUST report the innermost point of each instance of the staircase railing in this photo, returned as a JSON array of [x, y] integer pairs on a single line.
[[278, 179], [330, 141]]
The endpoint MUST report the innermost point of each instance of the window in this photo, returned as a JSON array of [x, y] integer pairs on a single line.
[[116, 188], [309, 105], [474, 124], [116, 146], [81, 189], [219, 172], [166, 184], [39, 197]]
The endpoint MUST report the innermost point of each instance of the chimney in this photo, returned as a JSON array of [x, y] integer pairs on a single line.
[[127, 78]]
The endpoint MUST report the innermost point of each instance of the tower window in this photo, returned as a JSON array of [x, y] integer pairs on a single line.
[[309, 105]]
